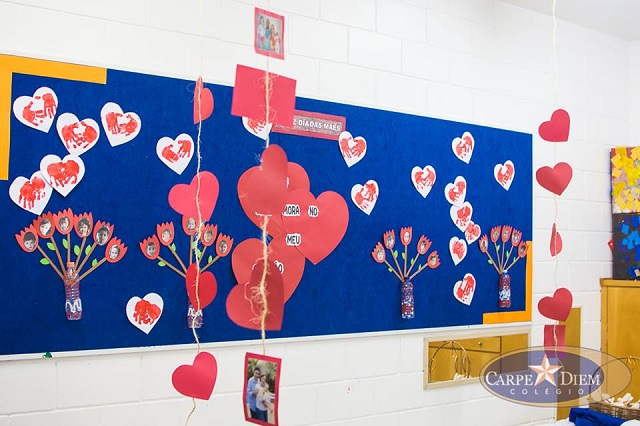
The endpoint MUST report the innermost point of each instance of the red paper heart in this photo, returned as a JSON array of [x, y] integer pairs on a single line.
[[207, 287], [554, 335], [297, 178], [555, 179], [555, 246], [202, 102], [288, 259], [182, 197], [267, 187], [557, 307], [244, 303], [197, 380], [315, 226], [556, 129]]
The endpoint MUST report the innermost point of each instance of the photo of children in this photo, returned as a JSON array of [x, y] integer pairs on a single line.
[[269, 33], [262, 377]]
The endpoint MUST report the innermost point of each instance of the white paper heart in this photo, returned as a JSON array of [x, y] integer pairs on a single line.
[[472, 233], [37, 111], [78, 136], [31, 194], [464, 289], [176, 154], [144, 313], [62, 175], [457, 249], [456, 192], [365, 196], [463, 147], [504, 174], [352, 149], [120, 127], [461, 215], [257, 127], [423, 179]]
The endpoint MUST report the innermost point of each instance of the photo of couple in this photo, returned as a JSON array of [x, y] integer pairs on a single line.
[[262, 377], [269, 33]]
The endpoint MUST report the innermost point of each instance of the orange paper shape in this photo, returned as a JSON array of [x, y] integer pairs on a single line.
[[150, 247], [182, 197], [165, 232], [558, 306], [556, 129], [202, 102], [197, 380], [555, 179], [245, 303], [64, 221], [207, 287], [555, 246], [115, 250], [28, 239]]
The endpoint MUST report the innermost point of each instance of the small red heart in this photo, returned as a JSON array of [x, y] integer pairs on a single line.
[[184, 198], [556, 129], [202, 102], [267, 187], [315, 226], [555, 179], [288, 259], [197, 380], [207, 287], [244, 303], [557, 307], [555, 246], [296, 178]]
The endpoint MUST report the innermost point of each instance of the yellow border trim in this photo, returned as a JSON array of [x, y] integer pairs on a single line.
[[516, 316], [40, 67]]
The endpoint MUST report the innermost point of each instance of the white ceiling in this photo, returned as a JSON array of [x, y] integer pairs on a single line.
[[619, 18]]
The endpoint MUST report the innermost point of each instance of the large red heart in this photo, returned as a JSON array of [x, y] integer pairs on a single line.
[[555, 179], [315, 226], [267, 187], [245, 303], [207, 287], [556, 129], [202, 102], [184, 198], [555, 246], [288, 259], [296, 178], [557, 307], [197, 380]]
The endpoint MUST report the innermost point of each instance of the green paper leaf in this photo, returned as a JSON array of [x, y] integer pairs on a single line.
[[76, 250], [65, 243], [489, 262], [161, 263], [210, 259], [173, 246], [50, 246], [198, 254], [94, 262], [404, 256], [413, 261], [498, 247], [390, 270], [194, 245], [44, 261], [87, 250], [395, 253]]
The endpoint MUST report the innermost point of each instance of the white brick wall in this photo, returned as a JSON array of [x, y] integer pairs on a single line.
[[479, 61]]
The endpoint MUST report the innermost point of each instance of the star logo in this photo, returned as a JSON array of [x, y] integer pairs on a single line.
[[545, 371]]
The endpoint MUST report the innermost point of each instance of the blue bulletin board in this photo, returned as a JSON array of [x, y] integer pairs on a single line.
[[347, 292]]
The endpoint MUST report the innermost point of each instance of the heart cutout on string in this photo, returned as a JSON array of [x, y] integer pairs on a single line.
[[315, 225], [144, 313], [554, 335], [456, 192], [558, 306], [464, 289], [62, 175], [207, 287], [423, 179], [182, 197], [365, 196], [78, 136], [555, 179], [556, 129], [244, 303], [257, 128], [288, 259], [504, 174], [267, 187], [32, 194], [555, 246], [202, 102], [463, 147], [197, 380]]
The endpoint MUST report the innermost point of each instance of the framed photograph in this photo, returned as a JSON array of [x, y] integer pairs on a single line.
[[268, 33], [261, 389]]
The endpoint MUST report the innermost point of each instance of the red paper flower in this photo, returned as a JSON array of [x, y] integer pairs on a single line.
[[506, 233], [433, 261], [64, 221], [516, 236], [223, 245], [208, 234], [378, 253], [522, 249], [189, 225], [495, 233], [166, 233], [405, 235], [115, 250], [389, 239], [423, 244], [483, 243], [45, 225], [150, 247], [83, 224], [28, 239], [102, 232]]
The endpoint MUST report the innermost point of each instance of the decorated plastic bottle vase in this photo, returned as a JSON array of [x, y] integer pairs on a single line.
[[73, 304], [504, 290], [406, 300]]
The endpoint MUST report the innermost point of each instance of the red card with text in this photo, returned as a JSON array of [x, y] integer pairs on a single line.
[[250, 95]]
